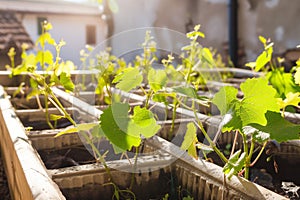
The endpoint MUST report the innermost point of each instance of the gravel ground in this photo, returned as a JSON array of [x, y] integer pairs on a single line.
[[4, 191]]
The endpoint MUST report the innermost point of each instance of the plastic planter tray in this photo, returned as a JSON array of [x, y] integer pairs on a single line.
[[201, 179]]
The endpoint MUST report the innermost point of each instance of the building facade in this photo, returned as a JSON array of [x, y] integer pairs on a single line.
[[77, 24]]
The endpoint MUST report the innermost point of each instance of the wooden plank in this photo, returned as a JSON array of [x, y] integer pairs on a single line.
[[27, 176]]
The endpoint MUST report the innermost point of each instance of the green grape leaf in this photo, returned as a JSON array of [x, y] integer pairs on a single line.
[[282, 82], [96, 132], [54, 79], [190, 140], [259, 97], [142, 123], [34, 91], [252, 65], [48, 26], [166, 197], [18, 70], [56, 117], [11, 53], [188, 198], [279, 129], [45, 57], [162, 97], [66, 82], [196, 33], [157, 79], [207, 55], [263, 59], [276, 79], [33, 83], [232, 120], [114, 123], [65, 67], [292, 99], [159, 98], [142, 116], [129, 79], [235, 164], [290, 84], [187, 91], [224, 98], [28, 64], [297, 75], [45, 38], [263, 40], [77, 128], [19, 90], [100, 86]]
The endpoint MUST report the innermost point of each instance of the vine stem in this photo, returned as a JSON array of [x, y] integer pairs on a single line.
[[61, 107], [257, 157], [234, 143], [211, 143], [86, 137], [149, 94], [108, 90], [134, 168], [101, 158], [173, 119], [259, 154], [246, 150], [47, 112]]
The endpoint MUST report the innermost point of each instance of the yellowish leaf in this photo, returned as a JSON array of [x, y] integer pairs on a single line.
[[292, 99], [297, 75], [251, 65]]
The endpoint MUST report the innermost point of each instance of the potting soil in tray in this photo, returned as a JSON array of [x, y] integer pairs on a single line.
[[153, 185], [42, 125], [4, 190], [78, 155], [277, 174], [54, 159]]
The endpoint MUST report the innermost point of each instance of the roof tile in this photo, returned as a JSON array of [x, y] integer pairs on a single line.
[[12, 32]]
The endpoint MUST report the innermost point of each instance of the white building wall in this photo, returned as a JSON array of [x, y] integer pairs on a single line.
[[277, 19], [146, 14], [70, 28]]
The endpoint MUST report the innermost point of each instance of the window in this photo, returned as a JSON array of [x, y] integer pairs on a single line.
[[91, 34], [40, 21]]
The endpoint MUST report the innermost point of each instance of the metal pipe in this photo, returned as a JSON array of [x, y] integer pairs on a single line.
[[233, 30]]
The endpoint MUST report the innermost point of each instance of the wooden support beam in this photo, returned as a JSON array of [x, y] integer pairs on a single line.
[[27, 176]]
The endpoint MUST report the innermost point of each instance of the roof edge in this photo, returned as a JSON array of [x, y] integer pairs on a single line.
[[51, 7]]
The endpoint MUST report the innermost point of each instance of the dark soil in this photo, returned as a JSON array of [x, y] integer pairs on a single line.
[[157, 188], [78, 155], [68, 157], [4, 190], [41, 125], [277, 173]]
